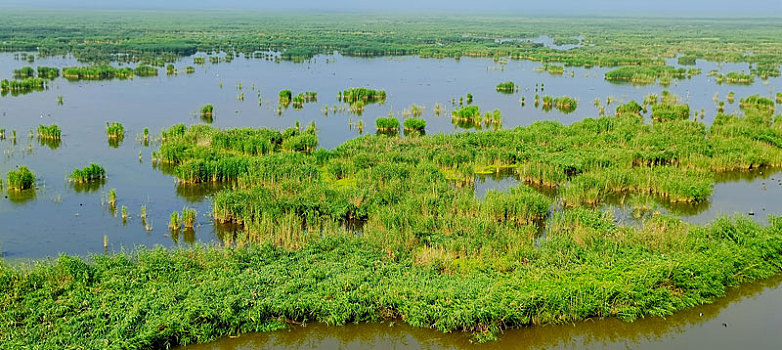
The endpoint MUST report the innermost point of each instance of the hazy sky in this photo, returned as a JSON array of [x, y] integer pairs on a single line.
[[609, 7]]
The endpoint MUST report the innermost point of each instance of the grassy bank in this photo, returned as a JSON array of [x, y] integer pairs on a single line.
[[587, 267]]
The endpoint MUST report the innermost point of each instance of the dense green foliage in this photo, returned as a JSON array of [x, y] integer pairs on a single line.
[[165, 36], [507, 86], [645, 74], [115, 130], [225, 158], [430, 252], [387, 124], [415, 124], [686, 60], [631, 107], [145, 71], [667, 112], [91, 173], [390, 227], [21, 179], [24, 73], [733, 78], [304, 97], [565, 104], [22, 86], [207, 111], [100, 72], [587, 267], [375, 179], [51, 132]]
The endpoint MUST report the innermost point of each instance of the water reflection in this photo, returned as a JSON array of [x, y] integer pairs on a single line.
[[87, 187], [21, 197], [186, 235], [755, 193], [52, 143], [197, 193]]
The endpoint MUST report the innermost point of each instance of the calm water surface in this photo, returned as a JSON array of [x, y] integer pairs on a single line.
[[57, 218]]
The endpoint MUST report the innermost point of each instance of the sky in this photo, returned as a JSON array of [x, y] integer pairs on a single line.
[[768, 8]]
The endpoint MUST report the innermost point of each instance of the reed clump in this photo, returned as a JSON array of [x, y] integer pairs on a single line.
[[21, 179], [91, 173], [387, 124], [49, 132], [115, 130]]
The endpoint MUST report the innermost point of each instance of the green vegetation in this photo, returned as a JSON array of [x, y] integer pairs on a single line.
[[630, 108], [207, 111], [175, 223], [553, 69], [733, 78], [101, 72], [115, 130], [145, 71], [507, 87], [226, 157], [22, 86], [387, 124], [686, 60], [21, 179], [112, 200], [756, 104], [429, 251], [48, 72], [357, 98], [667, 112], [91, 173], [565, 104], [24, 73], [189, 216], [645, 74], [50, 132], [615, 271], [302, 98], [189, 69], [415, 124], [610, 42], [285, 97], [420, 223]]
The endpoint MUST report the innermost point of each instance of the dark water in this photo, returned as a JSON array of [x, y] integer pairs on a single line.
[[748, 317], [58, 218]]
